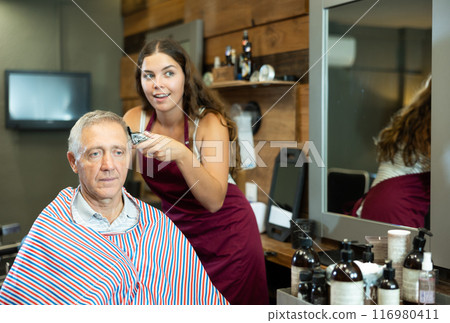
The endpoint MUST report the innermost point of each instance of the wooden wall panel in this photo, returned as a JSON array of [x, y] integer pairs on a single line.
[[240, 14], [127, 104], [127, 82], [292, 63], [279, 37], [278, 124], [302, 127], [158, 13], [131, 6]]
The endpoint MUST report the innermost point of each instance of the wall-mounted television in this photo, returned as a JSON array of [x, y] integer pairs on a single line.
[[39, 100]]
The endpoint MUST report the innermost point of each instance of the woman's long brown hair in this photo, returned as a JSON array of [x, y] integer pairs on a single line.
[[196, 93], [409, 130]]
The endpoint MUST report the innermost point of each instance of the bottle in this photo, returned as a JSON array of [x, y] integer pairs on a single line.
[[304, 285], [427, 281], [246, 57], [235, 63], [319, 294], [305, 258], [388, 289], [412, 267], [368, 255], [244, 40], [228, 59], [346, 281], [217, 62], [371, 273]]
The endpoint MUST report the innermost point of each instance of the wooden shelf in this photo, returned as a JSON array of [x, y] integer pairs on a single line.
[[239, 83]]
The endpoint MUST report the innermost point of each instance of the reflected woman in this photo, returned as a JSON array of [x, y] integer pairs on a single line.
[[400, 193]]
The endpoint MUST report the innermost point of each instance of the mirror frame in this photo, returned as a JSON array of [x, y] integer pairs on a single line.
[[336, 226]]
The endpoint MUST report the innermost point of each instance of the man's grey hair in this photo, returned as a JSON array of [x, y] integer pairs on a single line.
[[89, 119]]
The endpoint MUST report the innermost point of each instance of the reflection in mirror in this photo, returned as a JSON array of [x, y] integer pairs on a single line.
[[373, 72]]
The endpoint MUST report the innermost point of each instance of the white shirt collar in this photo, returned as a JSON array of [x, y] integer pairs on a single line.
[[83, 214]]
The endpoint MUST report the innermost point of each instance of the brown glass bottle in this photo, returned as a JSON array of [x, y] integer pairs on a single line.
[[304, 286], [305, 258], [412, 266], [346, 282], [319, 293], [388, 290]]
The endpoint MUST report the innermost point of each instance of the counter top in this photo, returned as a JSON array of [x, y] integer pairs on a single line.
[[281, 252]]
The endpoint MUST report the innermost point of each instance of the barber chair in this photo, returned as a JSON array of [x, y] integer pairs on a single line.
[[8, 252], [345, 187]]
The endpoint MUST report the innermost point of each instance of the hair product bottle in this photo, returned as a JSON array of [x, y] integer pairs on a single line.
[[228, 58], [319, 294], [304, 285], [305, 258], [346, 282], [368, 255], [412, 267], [388, 289], [246, 57], [427, 281]]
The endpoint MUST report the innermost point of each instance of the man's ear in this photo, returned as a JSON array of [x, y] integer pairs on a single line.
[[72, 161]]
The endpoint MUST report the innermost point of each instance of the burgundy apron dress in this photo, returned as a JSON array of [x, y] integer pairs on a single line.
[[227, 241], [402, 200]]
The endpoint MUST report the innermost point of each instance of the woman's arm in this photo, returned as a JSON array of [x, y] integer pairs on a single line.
[[208, 180]]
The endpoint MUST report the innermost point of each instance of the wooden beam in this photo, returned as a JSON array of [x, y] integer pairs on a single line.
[[159, 13], [131, 6], [127, 82], [222, 17]]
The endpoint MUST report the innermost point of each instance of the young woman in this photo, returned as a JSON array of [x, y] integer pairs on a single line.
[[186, 162], [400, 194]]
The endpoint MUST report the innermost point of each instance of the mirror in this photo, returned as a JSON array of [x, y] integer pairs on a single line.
[[373, 71], [336, 226]]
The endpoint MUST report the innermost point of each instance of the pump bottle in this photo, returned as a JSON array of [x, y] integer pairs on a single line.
[[346, 282], [319, 295], [304, 285], [388, 290], [371, 274], [305, 258], [368, 255], [427, 281], [412, 267]]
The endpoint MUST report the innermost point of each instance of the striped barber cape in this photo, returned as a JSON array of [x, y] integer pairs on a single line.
[[62, 262]]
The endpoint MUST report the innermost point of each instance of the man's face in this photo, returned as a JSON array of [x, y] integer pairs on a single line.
[[103, 163]]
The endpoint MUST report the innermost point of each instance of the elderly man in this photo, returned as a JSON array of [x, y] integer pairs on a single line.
[[96, 244]]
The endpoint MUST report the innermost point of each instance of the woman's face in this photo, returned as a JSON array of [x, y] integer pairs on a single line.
[[162, 80]]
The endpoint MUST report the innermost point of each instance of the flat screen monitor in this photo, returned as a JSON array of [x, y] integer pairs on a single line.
[[45, 100]]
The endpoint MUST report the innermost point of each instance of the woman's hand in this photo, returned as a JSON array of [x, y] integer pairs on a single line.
[[163, 148]]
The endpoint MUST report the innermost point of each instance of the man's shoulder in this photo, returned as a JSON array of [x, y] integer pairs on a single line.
[[148, 212], [61, 204]]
